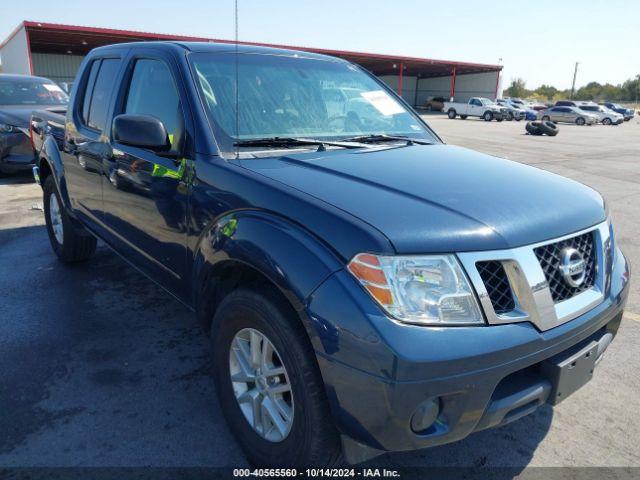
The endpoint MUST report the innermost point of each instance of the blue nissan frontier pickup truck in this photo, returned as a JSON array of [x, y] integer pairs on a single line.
[[366, 287]]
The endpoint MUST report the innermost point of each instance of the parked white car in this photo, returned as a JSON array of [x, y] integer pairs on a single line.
[[476, 107], [605, 115]]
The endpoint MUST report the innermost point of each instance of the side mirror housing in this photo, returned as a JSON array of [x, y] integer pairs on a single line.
[[142, 131]]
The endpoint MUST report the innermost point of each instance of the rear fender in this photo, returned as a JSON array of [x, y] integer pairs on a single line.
[[49, 158]]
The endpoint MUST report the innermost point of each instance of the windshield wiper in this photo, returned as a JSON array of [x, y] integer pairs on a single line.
[[374, 138], [286, 142]]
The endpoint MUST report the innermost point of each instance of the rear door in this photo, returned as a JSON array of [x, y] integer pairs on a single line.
[[84, 148], [145, 193]]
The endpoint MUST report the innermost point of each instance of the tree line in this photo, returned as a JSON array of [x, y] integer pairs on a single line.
[[628, 91]]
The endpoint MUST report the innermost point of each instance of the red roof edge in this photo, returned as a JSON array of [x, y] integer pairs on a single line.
[[27, 24]]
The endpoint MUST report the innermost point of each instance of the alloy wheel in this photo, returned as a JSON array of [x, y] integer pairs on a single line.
[[261, 384], [55, 215]]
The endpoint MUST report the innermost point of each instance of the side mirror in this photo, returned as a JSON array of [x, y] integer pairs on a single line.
[[142, 131]]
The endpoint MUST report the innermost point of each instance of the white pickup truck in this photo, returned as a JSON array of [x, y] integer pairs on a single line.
[[476, 107]]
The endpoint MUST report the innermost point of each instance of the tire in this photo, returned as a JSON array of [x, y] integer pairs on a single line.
[[487, 116], [68, 244], [451, 113], [533, 128], [546, 118], [518, 119], [429, 107], [606, 121], [549, 128], [510, 117], [580, 121], [463, 117], [499, 119], [312, 439]]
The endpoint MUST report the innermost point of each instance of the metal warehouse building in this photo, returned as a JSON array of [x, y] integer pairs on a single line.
[[56, 51]]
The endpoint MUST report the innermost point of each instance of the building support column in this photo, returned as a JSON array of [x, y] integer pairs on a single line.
[[452, 90], [400, 79], [497, 84]]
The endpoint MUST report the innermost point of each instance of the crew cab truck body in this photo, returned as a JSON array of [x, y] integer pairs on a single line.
[[476, 107], [366, 287]]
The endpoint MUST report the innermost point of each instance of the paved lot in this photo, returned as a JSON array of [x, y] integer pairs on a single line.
[[98, 367]]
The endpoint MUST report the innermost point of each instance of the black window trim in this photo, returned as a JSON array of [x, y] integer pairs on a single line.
[[82, 127]]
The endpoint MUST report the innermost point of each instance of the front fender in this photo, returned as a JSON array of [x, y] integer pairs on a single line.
[[292, 258], [50, 156]]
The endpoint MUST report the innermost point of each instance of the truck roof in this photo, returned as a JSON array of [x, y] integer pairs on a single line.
[[215, 47]]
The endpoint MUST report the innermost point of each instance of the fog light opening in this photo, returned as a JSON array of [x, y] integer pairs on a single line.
[[425, 416]]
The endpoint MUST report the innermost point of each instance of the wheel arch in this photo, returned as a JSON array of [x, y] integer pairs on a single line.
[[50, 163], [261, 250]]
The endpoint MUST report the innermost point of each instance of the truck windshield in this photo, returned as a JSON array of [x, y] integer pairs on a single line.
[[31, 92], [291, 97]]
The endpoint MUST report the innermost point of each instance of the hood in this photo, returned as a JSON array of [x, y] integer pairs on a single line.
[[20, 115], [441, 198]]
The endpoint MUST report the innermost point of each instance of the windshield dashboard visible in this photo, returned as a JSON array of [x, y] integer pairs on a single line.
[[296, 97]]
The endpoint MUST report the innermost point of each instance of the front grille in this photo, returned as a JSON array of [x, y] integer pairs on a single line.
[[549, 257], [497, 285]]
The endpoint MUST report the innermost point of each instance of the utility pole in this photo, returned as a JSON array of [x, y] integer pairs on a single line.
[[573, 85]]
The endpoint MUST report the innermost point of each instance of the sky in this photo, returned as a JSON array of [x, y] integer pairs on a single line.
[[539, 40]]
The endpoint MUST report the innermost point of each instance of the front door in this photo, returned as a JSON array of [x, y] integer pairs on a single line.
[[146, 193]]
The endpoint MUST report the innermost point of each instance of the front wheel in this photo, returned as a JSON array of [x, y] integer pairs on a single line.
[[510, 117], [268, 383], [606, 121], [488, 116], [463, 117], [580, 121], [69, 243], [546, 118]]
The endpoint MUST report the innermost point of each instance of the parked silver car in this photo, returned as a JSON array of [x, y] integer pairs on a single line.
[[605, 115], [568, 115], [514, 111]]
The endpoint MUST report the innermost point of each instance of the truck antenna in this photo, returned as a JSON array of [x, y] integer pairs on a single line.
[[237, 84]]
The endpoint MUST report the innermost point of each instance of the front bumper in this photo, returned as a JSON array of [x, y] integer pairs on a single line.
[[378, 372], [16, 152]]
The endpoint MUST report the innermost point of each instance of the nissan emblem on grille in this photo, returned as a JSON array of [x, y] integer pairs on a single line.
[[573, 267]]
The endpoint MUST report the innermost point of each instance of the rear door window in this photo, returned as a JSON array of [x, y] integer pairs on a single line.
[[102, 93], [88, 89]]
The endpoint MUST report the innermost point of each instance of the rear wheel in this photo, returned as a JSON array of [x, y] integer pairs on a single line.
[[67, 242], [451, 114], [463, 117], [580, 121], [510, 116], [269, 386], [546, 118]]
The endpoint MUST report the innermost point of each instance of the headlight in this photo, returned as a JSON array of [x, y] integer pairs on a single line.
[[421, 289], [4, 128]]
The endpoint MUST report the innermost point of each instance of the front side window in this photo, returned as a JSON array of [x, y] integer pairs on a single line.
[[30, 91], [152, 91], [283, 96], [104, 84]]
